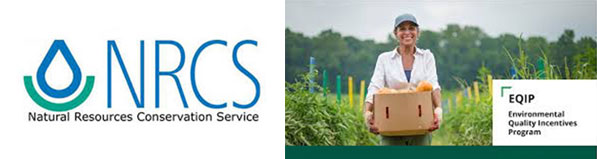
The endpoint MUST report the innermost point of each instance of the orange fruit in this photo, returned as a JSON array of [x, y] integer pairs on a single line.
[[424, 86]]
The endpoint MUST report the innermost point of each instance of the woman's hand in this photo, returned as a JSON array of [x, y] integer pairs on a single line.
[[436, 97], [437, 119], [370, 120]]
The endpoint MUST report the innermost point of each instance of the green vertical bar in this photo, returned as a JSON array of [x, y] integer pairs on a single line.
[[338, 89], [541, 68], [325, 82]]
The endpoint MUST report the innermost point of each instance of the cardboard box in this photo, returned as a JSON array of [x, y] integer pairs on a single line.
[[403, 114]]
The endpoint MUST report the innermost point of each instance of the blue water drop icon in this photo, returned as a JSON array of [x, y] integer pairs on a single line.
[[58, 45]]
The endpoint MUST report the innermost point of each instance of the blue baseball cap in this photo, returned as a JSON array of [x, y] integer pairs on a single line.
[[405, 17]]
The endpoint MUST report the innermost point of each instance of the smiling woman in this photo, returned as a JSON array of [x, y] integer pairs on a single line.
[[404, 65]]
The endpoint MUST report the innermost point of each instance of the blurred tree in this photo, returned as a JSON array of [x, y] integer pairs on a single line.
[[459, 52]]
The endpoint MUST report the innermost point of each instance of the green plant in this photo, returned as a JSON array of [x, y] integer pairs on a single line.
[[469, 122], [312, 119], [585, 65]]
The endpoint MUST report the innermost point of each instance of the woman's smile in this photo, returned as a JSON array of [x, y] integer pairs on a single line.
[[407, 37]]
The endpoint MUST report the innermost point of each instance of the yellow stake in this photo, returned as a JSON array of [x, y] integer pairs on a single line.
[[362, 95], [489, 84], [458, 99], [476, 88], [350, 91]]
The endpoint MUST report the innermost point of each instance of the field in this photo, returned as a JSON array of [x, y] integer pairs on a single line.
[[315, 119]]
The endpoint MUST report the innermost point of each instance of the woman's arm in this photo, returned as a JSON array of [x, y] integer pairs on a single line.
[[377, 79], [377, 82], [436, 96]]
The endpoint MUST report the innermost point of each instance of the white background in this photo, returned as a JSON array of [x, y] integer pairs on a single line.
[[576, 97], [27, 29]]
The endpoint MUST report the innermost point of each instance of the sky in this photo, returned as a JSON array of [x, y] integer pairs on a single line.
[[373, 19]]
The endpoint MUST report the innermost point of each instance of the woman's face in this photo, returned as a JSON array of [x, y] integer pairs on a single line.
[[407, 33]]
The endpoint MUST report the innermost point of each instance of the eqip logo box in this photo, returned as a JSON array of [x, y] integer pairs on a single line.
[[544, 112]]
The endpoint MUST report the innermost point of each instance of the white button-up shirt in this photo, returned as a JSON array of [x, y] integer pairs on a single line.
[[389, 71]]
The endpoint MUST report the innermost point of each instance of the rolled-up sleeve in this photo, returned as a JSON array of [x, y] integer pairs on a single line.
[[377, 80], [432, 73]]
